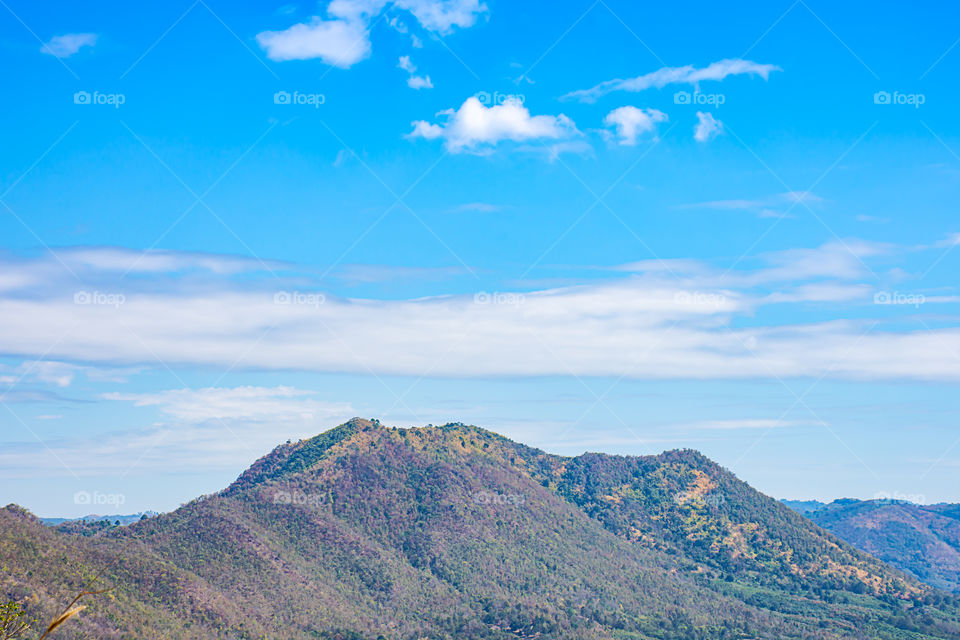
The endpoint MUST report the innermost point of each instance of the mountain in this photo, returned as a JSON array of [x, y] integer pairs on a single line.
[[804, 506], [921, 540], [455, 532], [121, 520]]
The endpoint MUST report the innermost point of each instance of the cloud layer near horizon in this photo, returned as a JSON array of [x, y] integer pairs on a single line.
[[671, 319]]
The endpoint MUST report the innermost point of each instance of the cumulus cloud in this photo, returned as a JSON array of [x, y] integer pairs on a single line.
[[442, 16], [68, 44], [630, 123], [707, 127], [475, 127], [684, 320], [675, 75], [339, 43], [342, 38]]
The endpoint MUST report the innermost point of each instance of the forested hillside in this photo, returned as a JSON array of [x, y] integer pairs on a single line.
[[455, 532]]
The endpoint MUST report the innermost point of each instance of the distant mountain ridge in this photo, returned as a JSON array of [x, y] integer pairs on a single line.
[[93, 517], [921, 540], [456, 532]]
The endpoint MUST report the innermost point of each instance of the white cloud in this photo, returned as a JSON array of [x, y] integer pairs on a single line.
[[480, 207], [212, 428], [951, 240], [707, 127], [68, 44], [630, 123], [675, 75], [419, 82], [474, 126], [778, 205], [339, 43], [749, 423], [342, 39], [258, 404], [414, 81], [406, 64], [681, 320], [443, 15]]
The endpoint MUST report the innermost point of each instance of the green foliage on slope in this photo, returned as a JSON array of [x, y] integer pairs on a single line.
[[456, 532]]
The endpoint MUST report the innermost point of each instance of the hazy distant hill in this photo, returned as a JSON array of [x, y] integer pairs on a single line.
[[804, 506], [121, 519], [922, 540], [456, 532]]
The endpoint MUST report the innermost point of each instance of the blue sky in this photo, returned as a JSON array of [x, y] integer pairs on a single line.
[[588, 226]]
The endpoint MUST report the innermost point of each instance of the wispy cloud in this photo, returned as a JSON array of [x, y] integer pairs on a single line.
[[661, 323], [211, 428], [747, 423], [258, 404], [414, 81], [480, 207], [773, 206], [688, 74], [68, 44]]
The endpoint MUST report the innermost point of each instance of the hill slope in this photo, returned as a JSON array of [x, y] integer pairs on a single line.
[[922, 540], [456, 532]]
